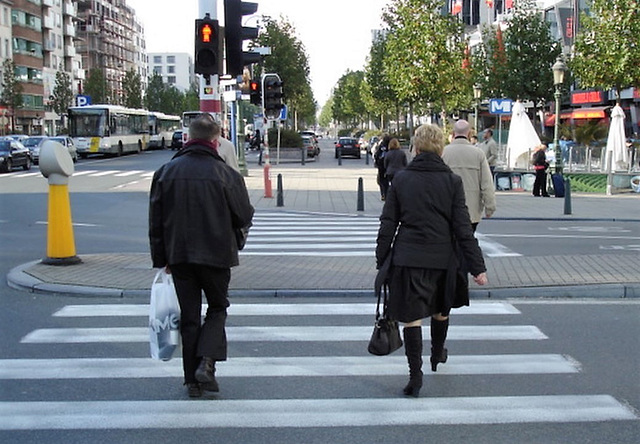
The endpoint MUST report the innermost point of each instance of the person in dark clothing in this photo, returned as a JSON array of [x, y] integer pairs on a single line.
[[197, 204], [395, 160], [540, 165], [378, 160], [424, 223]]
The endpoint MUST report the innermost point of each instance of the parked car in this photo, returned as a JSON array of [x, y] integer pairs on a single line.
[[34, 143], [18, 137], [13, 154], [67, 142], [348, 146], [311, 145], [176, 140]]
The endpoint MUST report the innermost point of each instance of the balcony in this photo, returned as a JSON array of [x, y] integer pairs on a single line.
[[47, 22], [48, 44], [48, 3], [69, 51], [69, 9], [70, 30]]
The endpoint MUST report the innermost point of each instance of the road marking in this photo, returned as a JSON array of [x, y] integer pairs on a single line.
[[309, 366], [104, 173], [129, 173], [279, 334], [298, 413], [29, 175], [85, 172], [119, 310]]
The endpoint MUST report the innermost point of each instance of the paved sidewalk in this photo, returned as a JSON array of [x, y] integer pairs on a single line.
[[323, 187]]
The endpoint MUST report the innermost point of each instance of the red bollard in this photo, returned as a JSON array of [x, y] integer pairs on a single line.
[[268, 192]]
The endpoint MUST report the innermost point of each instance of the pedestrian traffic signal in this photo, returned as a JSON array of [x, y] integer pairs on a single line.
[[235, 34], [207, 47], [272, 95], [255, 92]]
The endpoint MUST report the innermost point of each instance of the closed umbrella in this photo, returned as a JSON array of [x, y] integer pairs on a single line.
[[522, 137], [616, 142]]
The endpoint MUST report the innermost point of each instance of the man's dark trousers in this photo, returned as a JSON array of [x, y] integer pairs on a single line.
[[208, 339]]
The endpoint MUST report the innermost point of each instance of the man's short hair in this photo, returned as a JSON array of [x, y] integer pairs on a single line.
[[461, 128], [489, 131], [428, 138], [204, 127]]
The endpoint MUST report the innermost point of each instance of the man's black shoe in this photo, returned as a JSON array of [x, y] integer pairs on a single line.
[[194, 390], [206, 370]]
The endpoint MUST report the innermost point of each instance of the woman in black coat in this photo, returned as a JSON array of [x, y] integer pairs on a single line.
[[424, 228]]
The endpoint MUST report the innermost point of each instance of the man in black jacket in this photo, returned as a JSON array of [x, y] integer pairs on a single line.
[[197, 204]]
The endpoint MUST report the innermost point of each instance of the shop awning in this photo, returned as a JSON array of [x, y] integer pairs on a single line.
[[596, 112]]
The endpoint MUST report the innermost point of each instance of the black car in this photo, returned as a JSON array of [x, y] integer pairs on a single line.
[[348, 146], [13, 154], [176, 140]]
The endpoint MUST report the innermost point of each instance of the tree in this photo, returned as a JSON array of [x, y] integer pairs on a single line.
[[155, 93], [380, 98], [11, 90], [289, 59], [607, 48], [132, 85], [96, 87], [348, 103], [62, 93], [425, 54], [325, 114]]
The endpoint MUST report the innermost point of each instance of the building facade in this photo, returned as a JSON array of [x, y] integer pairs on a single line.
[[176, 69], [112, 42], [5, 53]]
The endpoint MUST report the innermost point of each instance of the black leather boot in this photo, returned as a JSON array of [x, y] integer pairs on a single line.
[[413, 350], [439, 354], [205, 375]]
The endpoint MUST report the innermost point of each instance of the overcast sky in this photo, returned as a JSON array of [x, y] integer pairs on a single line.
[[335, 33]]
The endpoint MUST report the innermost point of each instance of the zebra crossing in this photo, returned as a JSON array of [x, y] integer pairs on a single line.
[[327, 235], [88, 173], [303, 328]]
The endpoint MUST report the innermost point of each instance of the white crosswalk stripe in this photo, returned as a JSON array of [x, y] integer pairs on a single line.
[[304, 234], [311, 411]]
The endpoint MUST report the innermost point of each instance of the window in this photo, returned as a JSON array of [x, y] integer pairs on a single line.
[[157, 69], [157, 59], [171, 59], [171, 80], [171, 69]]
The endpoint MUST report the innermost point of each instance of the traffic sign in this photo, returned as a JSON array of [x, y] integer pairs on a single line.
[[500, 106], [83, 100], [283, 113]]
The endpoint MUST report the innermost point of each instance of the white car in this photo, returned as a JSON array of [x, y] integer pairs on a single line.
[[67, 142]]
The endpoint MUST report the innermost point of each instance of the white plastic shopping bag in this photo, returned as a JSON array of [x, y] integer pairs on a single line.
[[164, 317]]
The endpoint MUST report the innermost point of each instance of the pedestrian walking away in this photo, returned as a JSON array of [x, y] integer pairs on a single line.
[[425, 227], [540, 165], [394, 161], [470, 163], [378, 160], [197, 205]]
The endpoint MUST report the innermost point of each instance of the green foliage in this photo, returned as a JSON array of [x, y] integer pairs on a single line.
[[348, 102], [288, 138], [96, 87], [425, 54], [325, 115], [11, 90], [345, 132], [380, 96], [289, 59], [588, 183], [607, 48], [589, 132], [62, 93], [132, 85]]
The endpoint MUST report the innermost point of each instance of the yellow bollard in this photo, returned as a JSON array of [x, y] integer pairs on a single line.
[[56, 165]]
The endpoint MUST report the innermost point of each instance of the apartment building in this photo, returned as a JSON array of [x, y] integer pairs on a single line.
[[176, 69], [112, 40], [5, 53]]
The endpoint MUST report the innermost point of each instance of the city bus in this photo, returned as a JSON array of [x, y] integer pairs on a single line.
[[161, 129], [187, 118], [108, 129]]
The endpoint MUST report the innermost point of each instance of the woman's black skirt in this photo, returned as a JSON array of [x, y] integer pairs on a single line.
[[416, 293]]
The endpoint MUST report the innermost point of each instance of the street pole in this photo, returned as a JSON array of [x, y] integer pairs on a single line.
[[556, 133]]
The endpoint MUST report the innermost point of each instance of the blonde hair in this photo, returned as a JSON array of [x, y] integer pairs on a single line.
[[429, 138], [394, 144]]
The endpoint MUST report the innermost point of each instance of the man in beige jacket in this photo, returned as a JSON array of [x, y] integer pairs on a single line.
[[470, 163]]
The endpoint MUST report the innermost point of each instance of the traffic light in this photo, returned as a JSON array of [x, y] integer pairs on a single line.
[[272, 95], [255, 92], [207, 49], [235, 34]]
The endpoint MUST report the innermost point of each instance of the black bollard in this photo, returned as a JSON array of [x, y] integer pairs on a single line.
[[366, 157], [339, 156], [360, 195], [303, 154], [280, 196], [567, 196]]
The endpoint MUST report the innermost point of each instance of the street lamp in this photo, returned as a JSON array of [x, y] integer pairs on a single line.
[[559, 68], [477, 95]]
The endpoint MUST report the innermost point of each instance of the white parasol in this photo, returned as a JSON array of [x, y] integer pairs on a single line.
[[522, 138], [616, 142]]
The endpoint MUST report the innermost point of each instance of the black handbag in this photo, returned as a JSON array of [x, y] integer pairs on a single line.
[[385, 338]]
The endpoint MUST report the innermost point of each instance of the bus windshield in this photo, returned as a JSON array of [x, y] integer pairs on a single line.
[[89, 123]]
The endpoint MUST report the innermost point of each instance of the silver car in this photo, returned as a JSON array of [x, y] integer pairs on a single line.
[[67, 142]]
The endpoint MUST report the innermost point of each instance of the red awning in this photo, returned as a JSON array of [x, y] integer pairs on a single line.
[[597, 112]]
